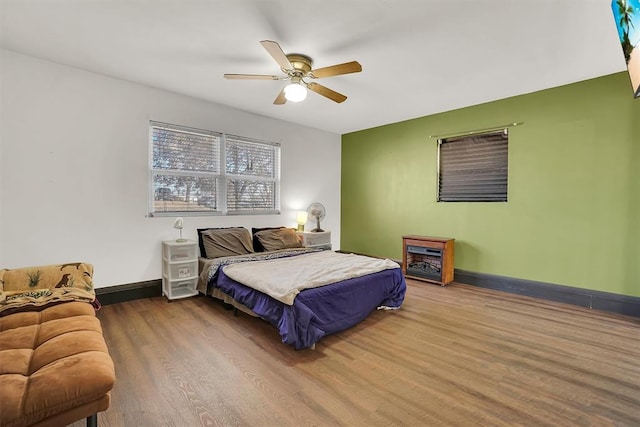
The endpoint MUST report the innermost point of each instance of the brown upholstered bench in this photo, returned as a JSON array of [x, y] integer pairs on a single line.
[[54, 365]]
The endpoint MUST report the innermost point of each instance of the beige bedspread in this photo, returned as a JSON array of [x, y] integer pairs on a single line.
[[284, 278]]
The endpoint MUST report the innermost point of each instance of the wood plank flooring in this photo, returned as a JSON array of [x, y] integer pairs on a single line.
[[458, 356]]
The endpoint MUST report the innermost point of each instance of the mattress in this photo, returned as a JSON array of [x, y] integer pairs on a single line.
[[315, 312]]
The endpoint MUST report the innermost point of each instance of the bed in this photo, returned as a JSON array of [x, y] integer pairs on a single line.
[[305, 293]]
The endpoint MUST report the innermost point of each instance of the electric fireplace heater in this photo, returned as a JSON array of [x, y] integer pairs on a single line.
[[424, 262]]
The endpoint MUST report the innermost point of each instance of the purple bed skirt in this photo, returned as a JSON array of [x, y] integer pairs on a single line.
[[321, 311]]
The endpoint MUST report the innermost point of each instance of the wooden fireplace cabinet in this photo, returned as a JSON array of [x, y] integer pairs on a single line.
[[422, 250]]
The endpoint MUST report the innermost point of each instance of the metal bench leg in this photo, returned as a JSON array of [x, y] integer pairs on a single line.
[[92, 421]]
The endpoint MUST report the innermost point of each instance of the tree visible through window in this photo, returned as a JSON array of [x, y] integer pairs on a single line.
[[473, 168], [188, 176], [251, 175]]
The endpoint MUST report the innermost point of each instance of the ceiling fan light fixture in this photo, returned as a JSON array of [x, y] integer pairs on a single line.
[[295, 91], [297, 67]]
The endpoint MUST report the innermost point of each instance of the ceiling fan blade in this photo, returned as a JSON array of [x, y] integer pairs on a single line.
[[280, 99], [276, 53], [251, 77], [326, 92], [336, 70]]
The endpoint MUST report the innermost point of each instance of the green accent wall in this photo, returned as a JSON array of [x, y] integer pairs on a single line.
[[573, 211]]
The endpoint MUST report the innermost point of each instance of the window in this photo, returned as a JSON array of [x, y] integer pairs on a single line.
[[473, 168], [189, 176]]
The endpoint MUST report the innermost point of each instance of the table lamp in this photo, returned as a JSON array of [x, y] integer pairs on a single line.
[[301, 219], [178, 225]]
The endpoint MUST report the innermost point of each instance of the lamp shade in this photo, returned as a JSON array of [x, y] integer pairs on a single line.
[[301, 218], [178, 223]]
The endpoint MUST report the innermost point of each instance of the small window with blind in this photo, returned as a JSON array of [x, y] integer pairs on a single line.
[[200, 172], [473, 168]]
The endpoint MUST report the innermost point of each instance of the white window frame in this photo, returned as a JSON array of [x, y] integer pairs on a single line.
[[222, 177]]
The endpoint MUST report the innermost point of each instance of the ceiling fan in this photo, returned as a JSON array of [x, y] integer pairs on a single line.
[[297, 68]]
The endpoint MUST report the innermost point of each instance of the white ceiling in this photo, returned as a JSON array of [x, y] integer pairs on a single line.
[[419, 57]]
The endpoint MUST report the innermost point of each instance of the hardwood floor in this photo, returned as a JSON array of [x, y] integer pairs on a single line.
[[457, 356]]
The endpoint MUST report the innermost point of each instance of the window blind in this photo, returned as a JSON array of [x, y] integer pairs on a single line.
[[473, 168], [252, 170], [183, 150], [188, 174], [246, 158]]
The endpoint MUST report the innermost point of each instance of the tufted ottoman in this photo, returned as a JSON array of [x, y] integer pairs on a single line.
[[54, 366]]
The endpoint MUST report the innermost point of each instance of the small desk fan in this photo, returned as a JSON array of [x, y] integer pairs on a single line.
[[316, 212]]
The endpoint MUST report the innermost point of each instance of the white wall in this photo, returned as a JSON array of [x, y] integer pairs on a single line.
[[74, 169]]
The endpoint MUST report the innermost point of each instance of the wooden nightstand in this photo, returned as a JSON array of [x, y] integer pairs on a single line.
[[179, 269], [318, 240]]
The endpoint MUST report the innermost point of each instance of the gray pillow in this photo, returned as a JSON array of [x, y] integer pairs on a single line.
[[227, 242], [280, 238]]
